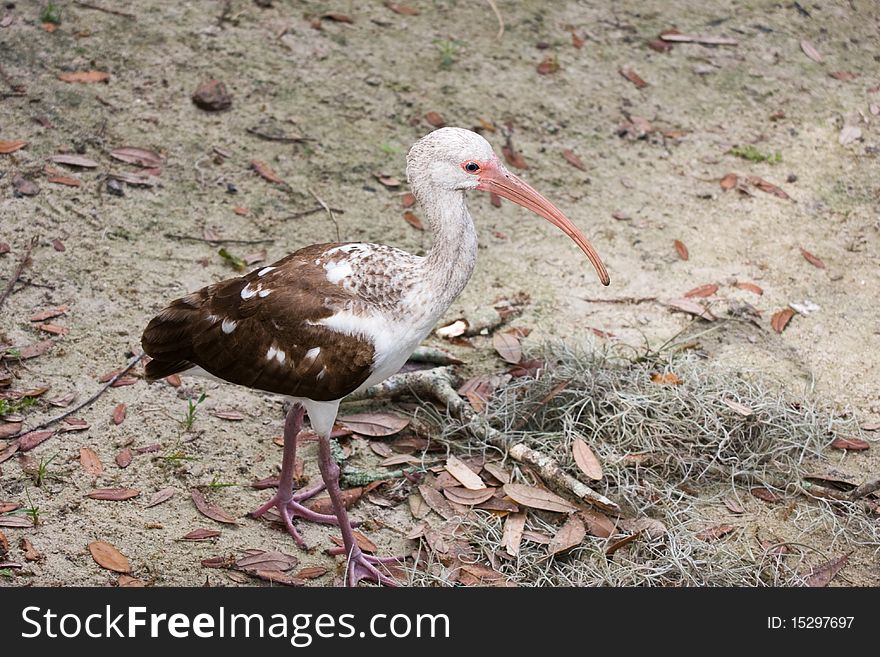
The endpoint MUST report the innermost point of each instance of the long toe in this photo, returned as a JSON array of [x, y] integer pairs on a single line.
[[363, 567]]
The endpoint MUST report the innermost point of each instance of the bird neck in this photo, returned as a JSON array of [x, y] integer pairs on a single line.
[[450, 262]]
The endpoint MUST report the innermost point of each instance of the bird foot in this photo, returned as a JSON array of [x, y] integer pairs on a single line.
[[363, 567], [290, 507]]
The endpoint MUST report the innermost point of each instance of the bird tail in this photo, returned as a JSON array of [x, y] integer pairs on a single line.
[[168, 337]]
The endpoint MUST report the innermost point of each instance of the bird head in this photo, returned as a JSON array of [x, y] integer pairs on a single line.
[[454, 159]]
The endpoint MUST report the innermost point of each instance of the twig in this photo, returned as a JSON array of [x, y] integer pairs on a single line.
[[865, 489], [499, 17], [115, 12], [190, 238], [304, 213], [438, 385], [22, 265], [621, 300], [88, 402], [327, 208]]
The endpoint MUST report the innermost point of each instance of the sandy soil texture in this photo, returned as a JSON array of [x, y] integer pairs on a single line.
[[634, 139]]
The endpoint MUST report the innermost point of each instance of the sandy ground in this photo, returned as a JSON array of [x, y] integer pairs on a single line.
[[358, 93]]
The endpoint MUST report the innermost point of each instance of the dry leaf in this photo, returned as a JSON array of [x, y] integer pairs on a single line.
[[388, 181], [362, 541], [114, 494], [548, 66], [138, 156], [511, 538], [467, 477], [764, 494], [633, 77], [467, 496], [7, 147], [84, 77], [408, 200], [118, 416], [311, 572], [813, 260], [538, 498], [232, 416], [374, 424], [74, 161], [54, 329], [623, 542], [822, 575], [126, 581], [570, 535], [577, 41], [780, 319], [160, 496], [498, 472], [573, 160], [742, 409], [810, 51], [201, 535], [413, 220], [64, 180], [324, 505], [598, 524], [733, 505], [768, 187], [30, 440], [210, 510], [843, 75], [435, 119], [854, 444], [668, 379], [729, 181], [337, 17], [30, 552], [265, 171], [514, 158], [124, 458], [90, 462], [702, 291], [586, 460], [15, 521], [434, 499], [714, 533], [508, 347], [403, 10], [681, 249], [263, 560], [107, 556], [692, 308], [750, 287]]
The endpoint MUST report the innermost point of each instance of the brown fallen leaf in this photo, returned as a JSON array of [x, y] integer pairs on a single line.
[[107, 556], [548, 66], [742, 409], [363, 542], [139, 156], [30, 440], [9, 429], [810, 51], [7, 147], [668, 379], [311, 572], [212, 96], [508, 347], [633, 77], [265, 171], [681, 249], [692, 308], [124, 458], [659, 45], [118, 416], [266, 560], [467, 496], [160, 496], [209, 510], [403, 10], [73, 160], [43, 315], [84, 77], [374, 424], [30, 552], [413, 220], [408, 200], [512, 535], [714, 533], [435, 119], [749, 287], [623, 542], [495, 200], [813, 260], [701, 291], [337, 17], [463, 474], [573, 159], [705, 39], [577, 41], [845, 76], [439, 504], [854, 444], [538, 498], [822, 575], [174, 380], [768, 187], [586, 460], [781, 318], [324, 505], [113, 494], [16, 521], [127, 581], [513, 157], [89, 461], [231, 416], [54, 329], [765, 494], [201, 535], [569, 536], [388, 181], [729, 181]]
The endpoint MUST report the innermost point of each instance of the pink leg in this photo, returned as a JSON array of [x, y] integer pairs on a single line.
[[288, 503], [359, 565]]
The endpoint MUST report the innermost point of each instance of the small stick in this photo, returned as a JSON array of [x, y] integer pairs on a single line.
[[621, 300], [22, 265], [189, 238], [498, 16], [115, 12], [865, 489], [88, 402], [304, 213], [327, 208]]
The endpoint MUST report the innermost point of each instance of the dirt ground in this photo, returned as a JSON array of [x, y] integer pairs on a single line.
[[358, 94]]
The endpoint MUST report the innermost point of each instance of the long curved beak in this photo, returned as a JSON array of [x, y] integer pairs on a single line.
[[495, 178]]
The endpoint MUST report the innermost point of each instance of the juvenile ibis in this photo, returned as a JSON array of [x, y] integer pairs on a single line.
[[333, 319]]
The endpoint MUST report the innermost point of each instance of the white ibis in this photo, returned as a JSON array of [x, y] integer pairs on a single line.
[[333, 319]]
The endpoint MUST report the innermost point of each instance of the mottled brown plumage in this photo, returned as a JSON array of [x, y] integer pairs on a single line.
[[277, 317]]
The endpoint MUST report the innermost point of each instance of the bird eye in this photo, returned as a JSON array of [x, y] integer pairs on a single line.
[[471, 167]]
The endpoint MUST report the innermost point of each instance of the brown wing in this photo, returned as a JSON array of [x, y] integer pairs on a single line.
[[259, 331]]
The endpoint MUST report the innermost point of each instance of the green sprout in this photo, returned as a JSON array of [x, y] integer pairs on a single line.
[[51, 14], [754, 155], [19, 406], [448, 48], [41, 475], [191, 408], [238, 264]]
